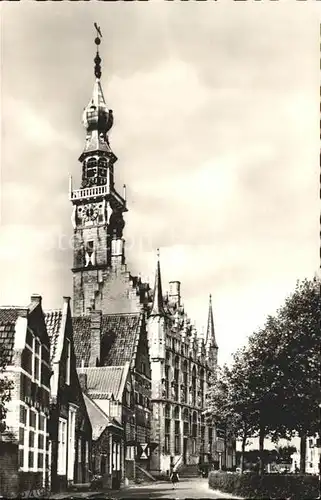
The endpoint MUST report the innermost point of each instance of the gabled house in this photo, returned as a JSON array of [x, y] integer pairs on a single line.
[[24, 455], [117, 340], [70, 431], [109, 396]]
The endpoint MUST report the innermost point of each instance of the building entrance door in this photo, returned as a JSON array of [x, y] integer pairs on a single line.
[[185, 450]]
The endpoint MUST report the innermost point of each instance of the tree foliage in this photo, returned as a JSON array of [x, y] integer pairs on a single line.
[[273, 386]]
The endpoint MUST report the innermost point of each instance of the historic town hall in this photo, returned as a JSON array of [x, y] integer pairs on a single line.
[[131, 373]]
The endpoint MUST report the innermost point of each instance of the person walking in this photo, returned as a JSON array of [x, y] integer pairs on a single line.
[[174, 478]]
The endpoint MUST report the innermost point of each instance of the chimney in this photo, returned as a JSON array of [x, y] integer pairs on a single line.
[[35, 299], [95, 329], [175, 292], [82, 377]]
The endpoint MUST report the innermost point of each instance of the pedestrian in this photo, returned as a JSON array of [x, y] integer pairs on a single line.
[[174, 478]]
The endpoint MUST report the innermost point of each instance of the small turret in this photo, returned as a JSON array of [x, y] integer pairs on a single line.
[[211, 346], [210, 340], [158, 303]]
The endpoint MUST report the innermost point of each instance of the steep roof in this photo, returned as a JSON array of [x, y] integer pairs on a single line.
[[8, 318], [158, 304], [98, 419], [81, 329], [53, 321], [119, 340], [210, 333], [105, 381]]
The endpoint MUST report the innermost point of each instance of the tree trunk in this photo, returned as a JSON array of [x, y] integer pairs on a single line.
[[242, 452], [303, 451], [261, 448]]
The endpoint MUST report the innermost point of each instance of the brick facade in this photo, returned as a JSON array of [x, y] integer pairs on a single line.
[[67, 408], [9, 476], [28, 367]]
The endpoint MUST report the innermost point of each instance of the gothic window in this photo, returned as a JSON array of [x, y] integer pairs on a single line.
[[194, 386], [201, 387], [166, 381], [186, 422], [185, 382], [167, 435], [167, 411], [176, 412], [194, 425]]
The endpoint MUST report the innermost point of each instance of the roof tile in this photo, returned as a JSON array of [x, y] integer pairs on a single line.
[[53, 323], [119, 338], [104, 381], [8, 318], [81, 331]]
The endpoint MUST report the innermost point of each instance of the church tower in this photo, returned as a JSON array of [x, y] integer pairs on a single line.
[[98, 208]]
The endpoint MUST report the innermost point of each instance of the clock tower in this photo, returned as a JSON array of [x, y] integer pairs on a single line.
[[98, 208]]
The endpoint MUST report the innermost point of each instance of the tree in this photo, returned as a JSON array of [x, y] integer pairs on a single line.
[[228, 403], [284, 359], [5, 389], [298, 357]]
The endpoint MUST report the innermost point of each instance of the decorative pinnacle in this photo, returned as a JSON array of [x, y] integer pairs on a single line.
[[97, 58]]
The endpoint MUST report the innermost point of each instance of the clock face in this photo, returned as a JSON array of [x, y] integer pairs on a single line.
[[90, 213]]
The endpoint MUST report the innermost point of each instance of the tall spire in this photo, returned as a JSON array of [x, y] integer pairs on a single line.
[[97, 118], [158, 304], [210, 333]]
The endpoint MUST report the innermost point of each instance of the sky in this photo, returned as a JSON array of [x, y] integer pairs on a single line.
[[216, 130]]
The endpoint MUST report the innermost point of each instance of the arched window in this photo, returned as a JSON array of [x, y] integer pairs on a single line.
[[102, 169], [176, 413], [91, 169], [194, 386], [167, 411], [167, 428], [186, 422], [194, 424], [184, 382]]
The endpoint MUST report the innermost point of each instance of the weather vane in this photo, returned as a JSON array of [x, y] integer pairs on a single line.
[[97, 58], [99, 35]]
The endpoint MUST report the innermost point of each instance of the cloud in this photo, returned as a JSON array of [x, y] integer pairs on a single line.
[[216, 121]]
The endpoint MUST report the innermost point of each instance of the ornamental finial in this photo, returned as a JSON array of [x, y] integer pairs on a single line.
[[97, 58]]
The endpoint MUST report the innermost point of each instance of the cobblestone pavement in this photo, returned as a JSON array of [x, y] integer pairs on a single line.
[[187, 488]]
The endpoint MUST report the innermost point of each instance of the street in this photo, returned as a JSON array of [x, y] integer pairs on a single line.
[[187, 488]]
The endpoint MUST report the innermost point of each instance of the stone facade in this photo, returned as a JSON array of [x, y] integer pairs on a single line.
[[183, 365]]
